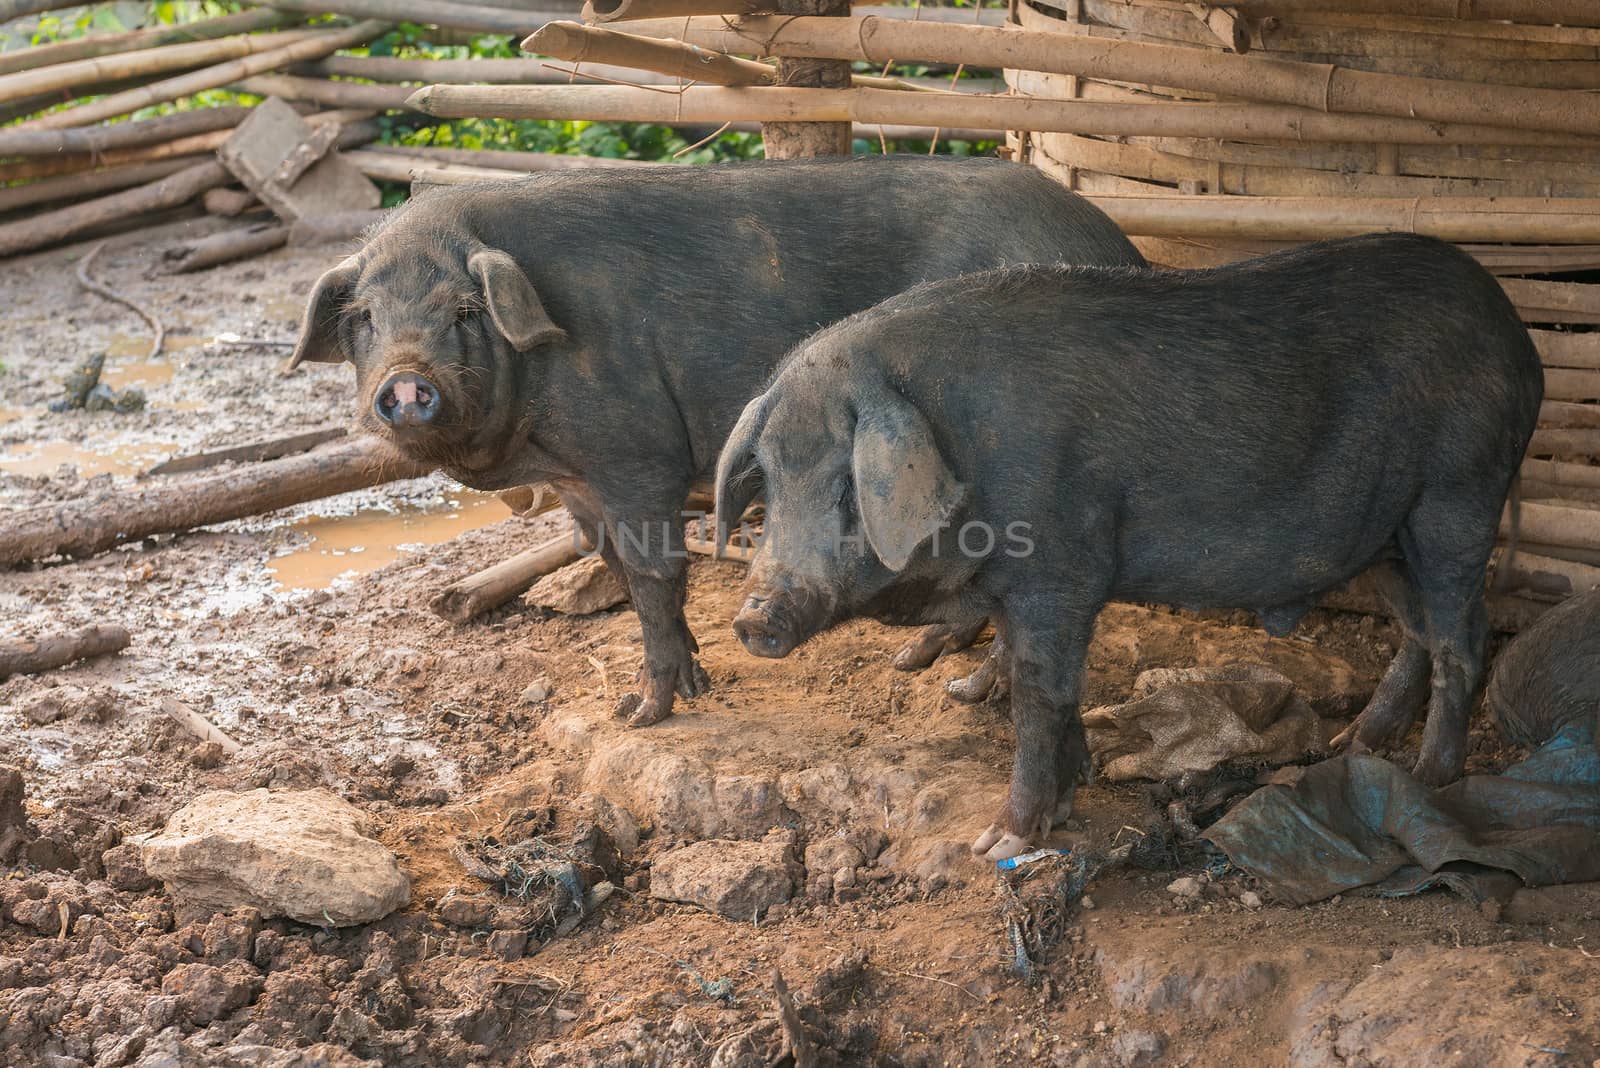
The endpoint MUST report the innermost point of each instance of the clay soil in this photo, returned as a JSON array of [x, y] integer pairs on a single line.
[[423, 725]]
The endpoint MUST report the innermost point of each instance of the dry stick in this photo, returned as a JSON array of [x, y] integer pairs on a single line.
[[432, 13], [261, 450], [384, 167], [1316, 86], [801, 1048], [198, 725], [326, 93], [715, 104], [54, 226], [46, 654], [210, 77], [160, 338], [228, 202], [103, 139], [104, 44], [92, 524], [385, 69], [80, 162], [1565, 12], [468, 598], [503, 159], [228, 246], [618, 10], [578, 43], [1548, 575], [87, 73], [75, 186]]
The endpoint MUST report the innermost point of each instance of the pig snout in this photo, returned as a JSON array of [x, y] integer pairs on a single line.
[[407, 401], [766, 627]]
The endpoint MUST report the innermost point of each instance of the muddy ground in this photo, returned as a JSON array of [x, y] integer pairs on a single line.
[[354, 685]]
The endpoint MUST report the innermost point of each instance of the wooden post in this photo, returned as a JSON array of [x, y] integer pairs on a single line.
[[804, 140]]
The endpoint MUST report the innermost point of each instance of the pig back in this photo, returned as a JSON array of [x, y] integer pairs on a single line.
[[1549, 675], [684, 286]]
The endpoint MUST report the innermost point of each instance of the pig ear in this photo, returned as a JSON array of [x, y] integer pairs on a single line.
[[319, 329], [904, 489], [513, 304], [738, 473]]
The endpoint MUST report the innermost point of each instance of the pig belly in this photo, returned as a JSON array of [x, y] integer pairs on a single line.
[[1243, 560]]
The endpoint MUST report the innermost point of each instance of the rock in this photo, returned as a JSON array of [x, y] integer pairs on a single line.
[[12, 814], [739, 880], [60, 702], [508, 945], [208, 755], [538, 691], [1138, 1049], [298, 854], [207, 993], [466, 911], [1250, 899], [1188, 886], [844, 878], [124, 867], [1086, 903], [828, 855], [579, 589]]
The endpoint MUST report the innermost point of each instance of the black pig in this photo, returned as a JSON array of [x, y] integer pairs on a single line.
[[1032, 442], [601, 330], [1550, 675]]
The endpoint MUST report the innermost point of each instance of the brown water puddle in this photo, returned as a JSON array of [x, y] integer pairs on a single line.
[[356, 544], [126, 364], [42, 458]]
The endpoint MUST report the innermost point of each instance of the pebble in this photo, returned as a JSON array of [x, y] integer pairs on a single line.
[[1250, 899], [1188, 886], [1088, 903], [538, 691]]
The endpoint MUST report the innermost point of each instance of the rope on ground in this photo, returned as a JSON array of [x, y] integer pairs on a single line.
[[109, 294]]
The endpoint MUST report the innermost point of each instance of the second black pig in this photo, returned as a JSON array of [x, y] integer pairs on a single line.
[[601, 330], [1033, 442]]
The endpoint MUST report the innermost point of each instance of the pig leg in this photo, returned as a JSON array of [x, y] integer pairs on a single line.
[[934, 642], [1052, 754], [1450, 546], [1404, 688], [992, 675]]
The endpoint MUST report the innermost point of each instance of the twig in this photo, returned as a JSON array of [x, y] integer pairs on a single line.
[[573, 72], [794, 1031], [198, 725], [104, 291], [934, 979], [704, 140]]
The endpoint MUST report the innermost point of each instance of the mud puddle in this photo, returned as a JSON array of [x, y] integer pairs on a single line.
[[46, 457], [351, 545]]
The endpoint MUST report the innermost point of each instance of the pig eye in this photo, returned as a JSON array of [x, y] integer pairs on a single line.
[[364, 317], [845, 496]]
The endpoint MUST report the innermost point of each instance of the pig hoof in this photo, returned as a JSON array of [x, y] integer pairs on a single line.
[[987, 839], [1009, 846], [1432, 769], [638, 712], [920, 652], [695, 683]]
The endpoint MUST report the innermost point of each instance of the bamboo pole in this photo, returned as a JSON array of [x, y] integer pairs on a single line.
[[1319, 87], [54, 226], [384, 167], [102, 44], [92, 524], [1562, 349], [1565, 475], [73, 186], [578, 43], [1553, 524], [603, 11], [479, 17], [1561, 384], [210, 77], [46, 654], [103, 139], [714, 105], [1565, 12], [87, 73], [1548, 575], [1555, 302], [528, 71], [326, 93], [1564, 442], [1568, 415], [526, 162]]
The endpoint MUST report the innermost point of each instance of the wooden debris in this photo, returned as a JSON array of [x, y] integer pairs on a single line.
[[77, 186], [225, 247], [466, 599], [105, 44], [480, 17], [799, 1044], [92, 524], [46, 654], [228, 202], [98, 140], [197, 725], [261, 450], [284, 161]]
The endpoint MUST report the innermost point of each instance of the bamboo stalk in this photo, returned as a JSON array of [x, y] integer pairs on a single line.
[[103, 139], [54, 166], [1548, 575], [477, 17], [714, 105], [1554, 524], [1319, 87], [528, 71], [326, 93], [1561, 384], [386, 167], [46, 654], [1568, 415], [603, 11], [577, 43], [1528, 219], [87, 73], [526, 162], [102, 44], [1555, 302], [50, 227], [1564, 442], [1564, 475], [1559, 348], [73, 186], [210, 77], [87, 525], [253, 453], [1565, 12]]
